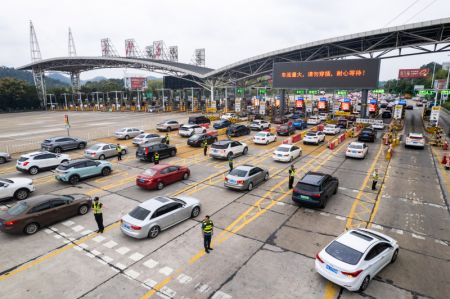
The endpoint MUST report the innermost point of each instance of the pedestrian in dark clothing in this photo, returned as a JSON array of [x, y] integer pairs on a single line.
[[291, 176], [98, 215], [230, 162], [207, 231], [119, 152], [205, 147]]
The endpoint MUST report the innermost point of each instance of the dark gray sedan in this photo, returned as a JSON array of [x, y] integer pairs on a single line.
[[245, 177], [59, 144]]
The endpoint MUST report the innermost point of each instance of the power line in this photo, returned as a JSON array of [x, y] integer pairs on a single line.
[[420, 11], [406, 9]]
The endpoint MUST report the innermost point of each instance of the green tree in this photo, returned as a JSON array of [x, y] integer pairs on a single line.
[[17, 94]]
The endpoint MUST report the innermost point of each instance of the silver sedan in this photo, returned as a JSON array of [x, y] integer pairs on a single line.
[[245, 177], [102, 151], [4, 157], [148, 138], [152, 216]]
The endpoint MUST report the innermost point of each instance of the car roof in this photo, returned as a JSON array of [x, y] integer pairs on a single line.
[[356, 143], [74, 161], [313, 178], [32, 154], [245, 167], [101, 144], [35, 200], [223, 142], [285, 145], [359, 239], [155, 203]]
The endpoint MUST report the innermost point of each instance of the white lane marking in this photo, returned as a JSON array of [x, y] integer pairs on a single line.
[[183, 278], [120, 266], [83, 245], [78, 248], [440, 242], [168, 291], [68, 223], [202, 287], [86, 232], [340, 218], [90, 254], [221, 295], [66, 241], [280, 203], [397, 231], [324, 214], [123, 250], [342, 188], [99, 239], [48, 231], [96, 252], [53, 228], [63, 234], [166, 271], [78, 228], [57, 236], [376, 226], [107, 259], [101, 261], [110, 244], [133, 274], [149, 282], [151, 263], [136, 256], [162, 295], [309, 211], [418, 237]]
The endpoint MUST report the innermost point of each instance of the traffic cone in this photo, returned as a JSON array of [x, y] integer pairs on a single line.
[[444, 160]]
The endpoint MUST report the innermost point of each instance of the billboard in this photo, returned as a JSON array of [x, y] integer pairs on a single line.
[[173, 53], [347, 73], [321, 105], [158, 50], [135, 83], [440, 84], [413, 73]]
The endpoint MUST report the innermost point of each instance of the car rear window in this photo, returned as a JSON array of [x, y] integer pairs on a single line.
[[184, 129], [139, 213], [22, 159], [18, 208], [344, 253], [355, 146], [219, 146], [238, 172], [311, 134], [95, 147], [260, 134], [307, 187], [195, 137], [140, 136], [150, 172], [416, 137], [282, 149]]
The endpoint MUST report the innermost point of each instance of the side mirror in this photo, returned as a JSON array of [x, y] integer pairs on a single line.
[[5, 185]]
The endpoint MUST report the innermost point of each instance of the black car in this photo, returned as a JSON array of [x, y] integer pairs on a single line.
[[367, 134], [314, 189], [285, 130], [147, 152], [197, 139], [224, 123], [386, 114], [409, 107], [238, 130], [197, 120]]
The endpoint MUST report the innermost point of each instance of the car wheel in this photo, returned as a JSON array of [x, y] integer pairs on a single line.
[[335, 190], [266, 177], [154, 232], [229, 156], [244, 152], [31, 228], [64, 161], [33, 170], [2, 160], [250, 187], [123, 152], [83, 209], [102, 157], [160, 186], [74, 179], [204, 131], [185, 175], [364, 284], [195, 212], [173, 153], [21, 194], [215, 140], [394, 256], [169, 129], [57, 150], [82, 145], [127, 137], [106, 171], [267, 142]]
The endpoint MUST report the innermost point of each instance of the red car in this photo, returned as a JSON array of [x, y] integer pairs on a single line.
[[161, 175]]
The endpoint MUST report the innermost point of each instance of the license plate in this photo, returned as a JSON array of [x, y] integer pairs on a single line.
[[232, 181], [331, 269], [126, 226], [215, 151], [304, 197], [279, 155], [353, 152]]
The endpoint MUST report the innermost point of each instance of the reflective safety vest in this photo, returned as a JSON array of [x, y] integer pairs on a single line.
[[205, 143], [156, 157], [97, 207], [375, 176], [119, 149], [207, 226], [167, 138], [292, 172]]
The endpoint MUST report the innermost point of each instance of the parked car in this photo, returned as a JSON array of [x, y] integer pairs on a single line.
[[197, 139], [299, 124], [367, 134], [224, 149], [35, 162], [197, 120], [386, 114], [286, 153], [236, 130], [148, 138], [245, 177], [415, 140], [17, 188], [331, 129], [285, 130], [264, 138], [357, 150], [314, 189], [74, 171], [59, 144], [30, 215], [313, 120], [356, 257], [4, 157], [224, 123], [409, 107], [101, 151], [314, 137], [168, 125], [259, 124], [280, 119], [190, 129], [152, 216], [127, 133], [147, 152], [162, 175], [228, 116]]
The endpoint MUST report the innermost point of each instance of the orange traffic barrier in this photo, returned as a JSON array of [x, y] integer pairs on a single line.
[[331, 145], [287, 141], [444, 159], [296, 138]]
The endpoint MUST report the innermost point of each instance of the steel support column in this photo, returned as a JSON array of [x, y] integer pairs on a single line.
[[75, 80], [39, 82], [364, 96], [282, 103]]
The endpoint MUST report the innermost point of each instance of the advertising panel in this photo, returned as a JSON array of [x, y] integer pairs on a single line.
[[135, 83], [262, 106], [308, 105], [348, 73], [299, 103], [322, 105], [413, 73], [434, 116], [398, 111], [237, 104]]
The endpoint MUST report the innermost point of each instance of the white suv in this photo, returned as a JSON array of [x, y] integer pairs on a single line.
[[18, 188], [331, 129], [39, 161], [191, 129], [313, 120], [415, 140], [314, 137], [225, 149], [228, 116], [259, 124]]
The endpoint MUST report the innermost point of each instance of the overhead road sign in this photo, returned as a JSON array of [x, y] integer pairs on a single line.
[[419, 87], [413, 73], [342, 92], [425, 92], [445, 91], [348, 73], [378, 91]]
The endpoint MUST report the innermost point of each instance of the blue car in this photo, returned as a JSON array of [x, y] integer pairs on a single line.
[[222, 124], [296, 115], [300, 124]]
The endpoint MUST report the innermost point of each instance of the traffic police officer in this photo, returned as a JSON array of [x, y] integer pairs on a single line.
[[374, 179], [207, 231], [98, 215], [156, 158], [291, 176], [205, 146], [119, 152], [230, 162], [167, 138]]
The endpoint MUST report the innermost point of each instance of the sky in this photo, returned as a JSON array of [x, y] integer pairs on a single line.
[[229, 30]]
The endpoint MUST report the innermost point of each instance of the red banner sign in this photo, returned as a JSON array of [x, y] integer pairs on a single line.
[[372, 107], [413, 73], [299, 103], [345, 106], [321, 105]]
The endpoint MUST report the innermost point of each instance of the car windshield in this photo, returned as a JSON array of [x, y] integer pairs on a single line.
[[122, 130], [47, 141], [366, 131], [282, 149], [139, 213], [140, 136], [18, 208], [95, 147], [311, 134], [255, 122], [261, 134], [330, 126], [238, 172], [344, 253], [196, 137], [355, 146], [283, 127], [150, 172], [307, 187], [64, 166], [184, 129], [220, 146], [21, 159], [415, 137], [152, 136]]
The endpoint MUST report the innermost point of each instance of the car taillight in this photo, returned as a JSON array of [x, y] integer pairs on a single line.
[[9, 223], [315, 195], [352, 274], [226, 179], [318, 258], [359, 152], [240, 182], [26, 163], [134, 227], [93, 154], [296, 190], [263, 138]]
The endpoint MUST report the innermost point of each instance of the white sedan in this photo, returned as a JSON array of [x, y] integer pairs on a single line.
[[228, 116], [314, 137], [415, 140], [357, 150], [313, 120], [331, 129], [264, 138], [355, 257], [286, 153], [17, 188]]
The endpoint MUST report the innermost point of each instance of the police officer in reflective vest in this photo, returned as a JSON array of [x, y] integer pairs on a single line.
[[207, 231], [291, 176], [119, 152], [205, 147], [167, 139], [374, 179], [156, 158], [98, 215]]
